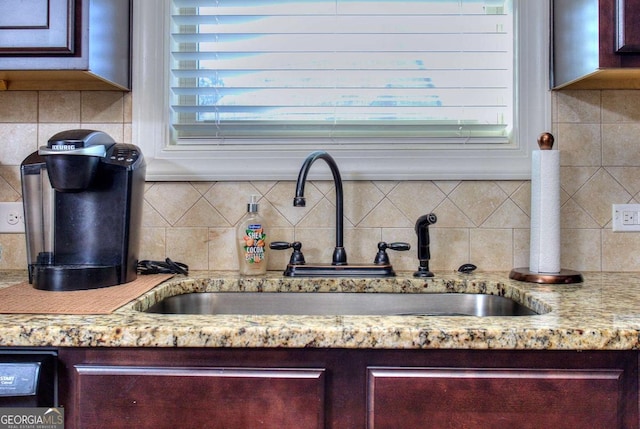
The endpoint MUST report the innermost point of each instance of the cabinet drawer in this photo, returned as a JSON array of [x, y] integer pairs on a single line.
[[167, 397], [494, 398]]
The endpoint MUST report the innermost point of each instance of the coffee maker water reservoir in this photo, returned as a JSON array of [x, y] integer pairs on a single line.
[[82, 195]]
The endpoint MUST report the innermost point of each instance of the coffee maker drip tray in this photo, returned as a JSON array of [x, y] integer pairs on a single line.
[[73, 277]]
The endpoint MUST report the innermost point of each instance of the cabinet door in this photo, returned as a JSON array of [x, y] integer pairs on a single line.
[[494, 398], [194, 397], [37, 27], [628, 25]]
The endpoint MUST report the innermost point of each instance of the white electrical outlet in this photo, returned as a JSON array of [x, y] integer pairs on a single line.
[[11, 218], [626, 217]]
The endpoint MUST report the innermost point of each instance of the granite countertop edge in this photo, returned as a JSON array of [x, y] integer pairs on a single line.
[[601, 313]]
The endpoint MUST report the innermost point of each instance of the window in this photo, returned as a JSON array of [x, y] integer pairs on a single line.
[[417, 89]]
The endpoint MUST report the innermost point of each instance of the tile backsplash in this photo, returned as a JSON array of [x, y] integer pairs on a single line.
[[482, 222]]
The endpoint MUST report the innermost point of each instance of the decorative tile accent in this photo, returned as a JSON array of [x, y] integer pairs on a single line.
[[490, 248], [572, 215], [478, 200], [450, 216], [202, 214], [151, 217], [580, 249], [360, 199], [573, 178], [172, 200], [508, 215], [619, 251], [59, 106], [230, 199], [387, 215], [620, 106], [580, 144], [153, 243], [323, 215], [451, 248], [18, 107], [281, 198], [628, 177], [416, 198], [578, 106], [190, 245], [221, 250], [385, 186], [483, 222], [13, 251], [598, 194], [18, 141], [522, 197], [102, 106], [521, 247], [7, 192], [620, 144], [318, 244]]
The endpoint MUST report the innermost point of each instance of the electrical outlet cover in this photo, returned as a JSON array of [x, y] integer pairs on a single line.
[[626, 218], [11, 218]]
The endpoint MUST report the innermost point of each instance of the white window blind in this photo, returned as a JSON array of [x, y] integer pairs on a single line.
[[417, 146], [257, 70]]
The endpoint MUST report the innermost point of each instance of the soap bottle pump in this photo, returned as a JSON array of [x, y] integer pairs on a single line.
[[252, 241]]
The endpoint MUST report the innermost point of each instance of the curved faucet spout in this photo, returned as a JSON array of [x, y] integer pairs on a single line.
[[339, 253]]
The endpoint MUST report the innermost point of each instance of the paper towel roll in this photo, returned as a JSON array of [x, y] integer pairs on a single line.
[[545, 212]]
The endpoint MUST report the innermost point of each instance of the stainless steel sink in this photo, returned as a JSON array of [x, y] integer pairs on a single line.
[[341, 303]]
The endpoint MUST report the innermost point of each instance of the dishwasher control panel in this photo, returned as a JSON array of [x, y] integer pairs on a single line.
[[28, 378]]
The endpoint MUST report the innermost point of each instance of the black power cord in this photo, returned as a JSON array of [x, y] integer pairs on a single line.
[[159, 267]]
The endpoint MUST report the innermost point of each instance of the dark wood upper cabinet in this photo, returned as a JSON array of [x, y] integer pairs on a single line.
[[65, 44], [596, 44], [628, 26], [37, 27]]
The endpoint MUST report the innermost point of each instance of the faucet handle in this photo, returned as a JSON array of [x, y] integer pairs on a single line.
[[297, 258], [382, 258]]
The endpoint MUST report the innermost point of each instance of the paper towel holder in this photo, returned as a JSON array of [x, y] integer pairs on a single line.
[[564, 276]]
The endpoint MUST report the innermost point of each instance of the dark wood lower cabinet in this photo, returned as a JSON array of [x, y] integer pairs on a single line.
[[155, 397], [495, 398], [342, 389]]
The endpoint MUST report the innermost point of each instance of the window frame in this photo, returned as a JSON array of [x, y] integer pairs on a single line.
[[406, 160]]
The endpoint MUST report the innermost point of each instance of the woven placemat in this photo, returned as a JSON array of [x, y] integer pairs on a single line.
[[24, 298]]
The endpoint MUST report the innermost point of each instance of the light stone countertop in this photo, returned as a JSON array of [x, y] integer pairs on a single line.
[[603, 313]]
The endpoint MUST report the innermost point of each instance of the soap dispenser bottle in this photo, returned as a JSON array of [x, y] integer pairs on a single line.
[[252, 241]]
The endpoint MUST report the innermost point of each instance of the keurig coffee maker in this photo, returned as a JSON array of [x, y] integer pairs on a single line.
[[83, 195]]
